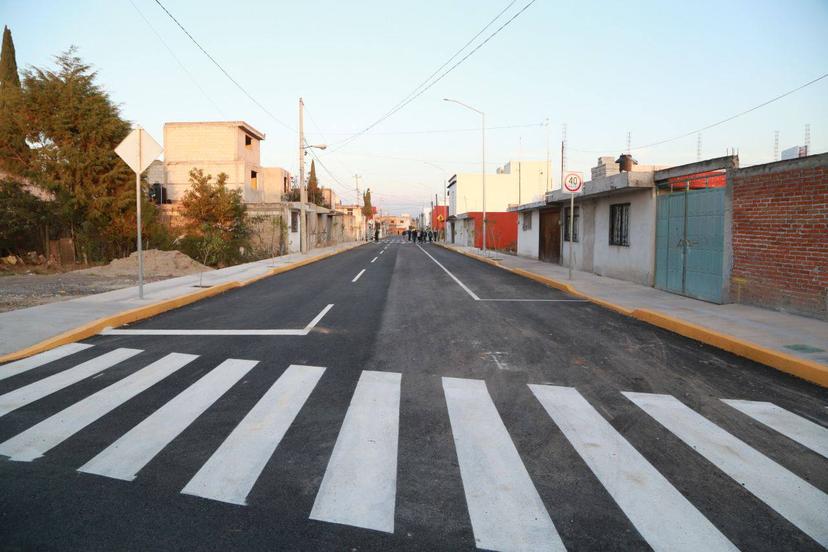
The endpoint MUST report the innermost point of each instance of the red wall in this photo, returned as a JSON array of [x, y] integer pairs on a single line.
[[709, 179], [780, 236], [502, 230], [435, 213]]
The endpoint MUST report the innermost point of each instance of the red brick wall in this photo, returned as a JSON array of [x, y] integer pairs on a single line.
[[780, 236]]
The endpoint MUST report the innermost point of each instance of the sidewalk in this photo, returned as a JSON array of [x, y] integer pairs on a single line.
[[24, 328], [764, 328]]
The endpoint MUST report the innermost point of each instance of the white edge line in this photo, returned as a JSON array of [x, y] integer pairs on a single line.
[[301, 332], [453, 277], [361, 272]]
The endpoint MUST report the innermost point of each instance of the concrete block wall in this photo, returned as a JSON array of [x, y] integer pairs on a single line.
[[780, 236]]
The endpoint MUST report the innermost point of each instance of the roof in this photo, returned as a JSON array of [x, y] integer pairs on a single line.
[[240, 124]]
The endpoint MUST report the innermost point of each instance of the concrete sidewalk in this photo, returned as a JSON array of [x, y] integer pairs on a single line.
[[785, 333], [24, 328]]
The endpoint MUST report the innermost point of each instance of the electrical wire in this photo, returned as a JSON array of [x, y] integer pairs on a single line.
[[226, 74], [422, 90], [712, 125], [441, 130], [178, 61]]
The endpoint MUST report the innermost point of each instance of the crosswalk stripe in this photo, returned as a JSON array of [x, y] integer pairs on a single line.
[[233, 469], [360, 484], [52, 431], [805, 432], [663, 516], [23, 365], [39, 389], [505, 509], [793, 498], [124, 458]]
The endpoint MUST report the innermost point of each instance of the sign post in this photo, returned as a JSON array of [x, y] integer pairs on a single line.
[[139, 150], [573, 184]]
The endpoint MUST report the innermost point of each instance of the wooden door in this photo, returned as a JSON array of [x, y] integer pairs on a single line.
[[550, 236]]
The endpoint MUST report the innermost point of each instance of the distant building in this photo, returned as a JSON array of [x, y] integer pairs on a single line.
[[794, 153], [231, 147]]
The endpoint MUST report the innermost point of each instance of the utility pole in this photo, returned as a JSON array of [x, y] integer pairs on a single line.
[[303, 192], [548, 167], [356, 180]]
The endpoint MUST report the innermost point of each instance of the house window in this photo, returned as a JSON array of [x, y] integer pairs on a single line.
[[527, 220], [254, 180], [248, 141], [619, 228], [575, 224], [294, 221]]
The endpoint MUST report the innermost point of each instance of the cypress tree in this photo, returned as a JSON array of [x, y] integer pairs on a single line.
[[14, 153]]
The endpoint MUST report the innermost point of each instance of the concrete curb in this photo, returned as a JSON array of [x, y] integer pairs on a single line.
[[801, 368], [141, 313]]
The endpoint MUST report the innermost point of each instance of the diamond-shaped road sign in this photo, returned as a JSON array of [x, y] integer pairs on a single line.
[[138, 150]]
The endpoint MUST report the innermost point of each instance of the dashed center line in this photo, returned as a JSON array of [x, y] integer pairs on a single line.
[[374, 259], [361, 272]]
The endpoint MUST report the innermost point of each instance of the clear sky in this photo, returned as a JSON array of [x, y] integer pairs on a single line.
[[656, 69]]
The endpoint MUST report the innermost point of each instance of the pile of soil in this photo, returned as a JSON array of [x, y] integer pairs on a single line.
[[157, 263]]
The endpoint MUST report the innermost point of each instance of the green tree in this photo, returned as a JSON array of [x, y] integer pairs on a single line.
[[367, 208], [216, 225], [14, 152], [315, 195], [23, 219], [74, 126]]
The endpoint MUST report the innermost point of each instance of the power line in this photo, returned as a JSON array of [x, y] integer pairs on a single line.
[[226, 74], [180, 64], [422, 90], [440, 130], [717, 123]]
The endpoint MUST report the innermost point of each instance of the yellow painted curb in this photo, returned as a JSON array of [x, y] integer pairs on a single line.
[[141, 313], [799, 367]]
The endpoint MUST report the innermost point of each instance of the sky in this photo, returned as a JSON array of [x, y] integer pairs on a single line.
[[653, 69]]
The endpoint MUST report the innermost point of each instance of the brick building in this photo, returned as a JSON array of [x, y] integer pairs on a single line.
[[780, 235]]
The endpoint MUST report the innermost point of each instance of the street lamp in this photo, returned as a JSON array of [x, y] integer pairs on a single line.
[[483, 159]]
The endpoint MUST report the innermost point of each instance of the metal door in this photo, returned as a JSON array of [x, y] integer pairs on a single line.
[[690, 243]]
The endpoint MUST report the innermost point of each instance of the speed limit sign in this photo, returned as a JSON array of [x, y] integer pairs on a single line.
[[573, 182]]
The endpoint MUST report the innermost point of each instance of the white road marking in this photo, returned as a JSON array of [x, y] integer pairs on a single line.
[[662, 515], [360, 484], [453, 277], [305, 331], [39, 389], [793, 498], [505, 509], [124, 458], [361, 272], [20, 366], [233, 469], [539, 300], [805, 432], [38, 439], [374, 259]]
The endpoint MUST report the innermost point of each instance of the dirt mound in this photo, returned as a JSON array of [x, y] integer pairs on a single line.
[[156, 263]]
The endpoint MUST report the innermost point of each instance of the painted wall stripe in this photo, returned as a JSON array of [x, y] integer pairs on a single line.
[[793, 498], [233, 469], [124, 458], [39, 389], [805, 432], [23, 365], [505, 509], [52, 431], [360, 484], [662, 515]]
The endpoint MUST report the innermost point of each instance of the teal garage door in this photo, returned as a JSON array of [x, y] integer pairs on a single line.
[[690, 243]]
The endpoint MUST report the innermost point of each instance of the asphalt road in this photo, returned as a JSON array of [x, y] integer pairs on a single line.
[[439, 404]]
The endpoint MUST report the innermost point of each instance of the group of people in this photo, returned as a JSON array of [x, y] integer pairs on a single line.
[[421, 236]]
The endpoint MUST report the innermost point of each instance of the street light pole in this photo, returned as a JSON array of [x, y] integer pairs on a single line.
[[303, 193], [483, 160]]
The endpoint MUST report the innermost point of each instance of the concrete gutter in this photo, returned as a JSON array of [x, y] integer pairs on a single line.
[[147, 311], [808, 370]]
